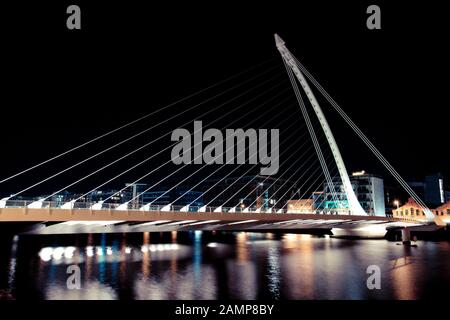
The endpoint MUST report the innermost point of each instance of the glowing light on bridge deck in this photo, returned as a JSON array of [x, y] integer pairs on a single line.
[[240, 222], [36, 204], [179, 222], [153, 222], [3, 202], [203, 222], [123, 207], [97, 206], [68, 205]]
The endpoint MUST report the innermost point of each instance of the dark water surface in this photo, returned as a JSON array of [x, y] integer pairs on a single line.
[[205, 265]]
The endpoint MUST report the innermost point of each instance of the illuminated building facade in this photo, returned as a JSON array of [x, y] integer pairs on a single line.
[[413, 210], [369, 190]]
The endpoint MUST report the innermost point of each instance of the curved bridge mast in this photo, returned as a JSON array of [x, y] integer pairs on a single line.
[[354, 205]]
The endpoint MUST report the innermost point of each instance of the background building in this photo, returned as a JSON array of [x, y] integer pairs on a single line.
[[300, 206], [369, 190], [434, 189], [409, 209], [413, 210], [181, 196], [431, 190], [113, 196]]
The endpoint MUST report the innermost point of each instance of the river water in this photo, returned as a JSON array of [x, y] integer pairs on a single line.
[[208, 265]]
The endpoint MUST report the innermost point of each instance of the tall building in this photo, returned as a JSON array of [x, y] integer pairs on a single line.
[[431, 190], [434, 189], [369, 190]]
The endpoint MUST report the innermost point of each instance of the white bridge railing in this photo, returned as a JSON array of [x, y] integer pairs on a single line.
[[50, 205], [37, 204]]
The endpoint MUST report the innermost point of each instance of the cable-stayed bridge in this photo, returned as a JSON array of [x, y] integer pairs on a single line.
[[347, 216]]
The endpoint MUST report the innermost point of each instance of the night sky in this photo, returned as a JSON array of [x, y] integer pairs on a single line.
[[61, 88]]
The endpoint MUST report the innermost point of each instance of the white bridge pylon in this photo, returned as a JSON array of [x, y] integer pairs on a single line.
[[354, 205]]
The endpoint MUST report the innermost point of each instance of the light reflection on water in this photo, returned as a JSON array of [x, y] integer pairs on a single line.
[[203, 265]]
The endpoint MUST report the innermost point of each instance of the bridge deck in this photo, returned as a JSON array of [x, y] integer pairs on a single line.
[[60, 215]]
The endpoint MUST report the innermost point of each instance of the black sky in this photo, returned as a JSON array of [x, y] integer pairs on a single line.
[[61, 87]]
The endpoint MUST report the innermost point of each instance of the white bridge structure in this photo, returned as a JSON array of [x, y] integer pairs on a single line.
[[76, 216]]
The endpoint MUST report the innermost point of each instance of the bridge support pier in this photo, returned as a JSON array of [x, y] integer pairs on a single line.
[[406, 236]]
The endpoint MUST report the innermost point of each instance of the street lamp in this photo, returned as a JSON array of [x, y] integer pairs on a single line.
[[396, 202]]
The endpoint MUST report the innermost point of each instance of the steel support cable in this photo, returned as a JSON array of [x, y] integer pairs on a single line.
[[243, 175], [235, 194], [147, 174], [270, 186], [165, 149], [132, 122], [293, 174], [154, 155], [310, 127], [250, 179], [201, 168], [128, 139], [362, 136], [228, 174], [298, 180]]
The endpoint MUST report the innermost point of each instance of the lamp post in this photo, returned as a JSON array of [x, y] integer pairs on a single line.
[[396, 202]]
